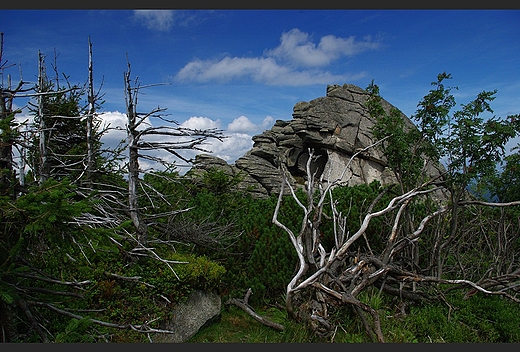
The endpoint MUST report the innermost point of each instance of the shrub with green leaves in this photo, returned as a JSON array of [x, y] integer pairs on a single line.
[[70, 274]]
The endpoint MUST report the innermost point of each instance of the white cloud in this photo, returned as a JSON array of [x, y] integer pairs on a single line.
[[243, 125], [295, 49], [200, 123], [512, 143], [295, 46], [237, 142], [261, 70], [232, 147], [116, 123], [238, 136], [267, 122], [230, 68], [160, 20]]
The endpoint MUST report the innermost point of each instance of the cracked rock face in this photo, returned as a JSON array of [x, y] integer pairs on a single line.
[[335, 127]]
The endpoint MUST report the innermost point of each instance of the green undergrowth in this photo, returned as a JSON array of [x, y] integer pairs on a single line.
[[479, 319], [137, 293]]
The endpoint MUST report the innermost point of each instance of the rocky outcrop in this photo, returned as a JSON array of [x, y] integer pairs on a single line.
[[189, 317], [335, 127]]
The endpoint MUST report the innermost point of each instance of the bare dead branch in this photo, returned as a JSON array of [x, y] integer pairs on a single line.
[[34, 324], [490, 204], [244, 305], [347, 298], [50, 292], [129, 278], [77, 284], [142, 328]]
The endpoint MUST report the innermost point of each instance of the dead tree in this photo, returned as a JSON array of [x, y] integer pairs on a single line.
[[38, 138], [91, 113], [109, 210], [43, 169], [93, 130], [335, 277], [174, 138], [46, 158]]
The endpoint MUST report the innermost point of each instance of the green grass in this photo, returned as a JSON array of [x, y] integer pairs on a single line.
[[481, 319], [235, 325]]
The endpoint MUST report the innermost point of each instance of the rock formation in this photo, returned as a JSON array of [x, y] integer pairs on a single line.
[[201, 308], [335, 127]]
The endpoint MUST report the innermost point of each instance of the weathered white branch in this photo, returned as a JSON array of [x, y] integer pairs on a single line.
[[244, 305], [143, 328]]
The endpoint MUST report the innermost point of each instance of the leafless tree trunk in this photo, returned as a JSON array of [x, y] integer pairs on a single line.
[[133, 162], [90, 113], [43, 166], [173, 139], [93, 123]]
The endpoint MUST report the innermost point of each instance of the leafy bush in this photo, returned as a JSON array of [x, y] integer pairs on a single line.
[[70, 274]]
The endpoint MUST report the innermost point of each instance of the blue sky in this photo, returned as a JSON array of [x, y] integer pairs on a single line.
[[241, 70]]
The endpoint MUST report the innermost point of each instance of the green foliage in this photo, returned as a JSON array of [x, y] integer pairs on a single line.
[[8, 136], [49, 208], [475, 146], [60, 116], [236, 326], [480, 319], [470, 144], [149, 293], [374, 298], [432, 116], [8, 128], [353, 203], [41, 235], [505, 184], [489, 319], [217, 181], [262, 258], [160, 286], [402, 146], [75, 331]]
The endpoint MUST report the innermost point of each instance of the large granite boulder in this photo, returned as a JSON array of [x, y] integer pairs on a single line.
[[200, 309], [335, 127]]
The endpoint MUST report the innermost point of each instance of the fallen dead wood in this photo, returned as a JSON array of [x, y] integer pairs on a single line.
[[244, 305]]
